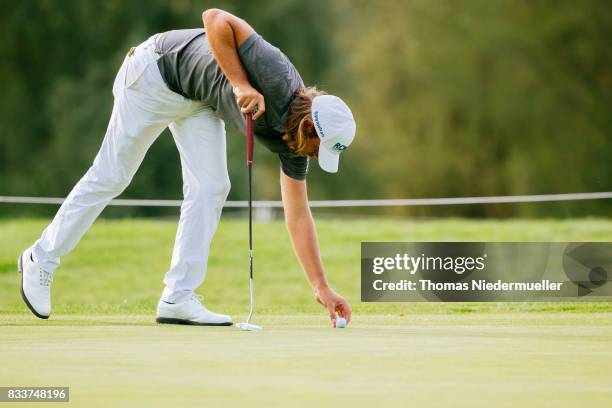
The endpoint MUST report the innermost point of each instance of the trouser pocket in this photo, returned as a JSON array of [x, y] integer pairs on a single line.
[[119, 83], [134, 65]]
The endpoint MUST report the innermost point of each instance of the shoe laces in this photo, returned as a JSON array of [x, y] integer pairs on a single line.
[[197, 298], [45, 277]]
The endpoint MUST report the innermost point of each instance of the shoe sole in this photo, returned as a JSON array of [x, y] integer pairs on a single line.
[[23, 296], [170, 320]]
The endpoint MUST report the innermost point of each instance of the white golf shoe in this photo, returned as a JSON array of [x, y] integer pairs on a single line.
[[191, 312], [35, 285]]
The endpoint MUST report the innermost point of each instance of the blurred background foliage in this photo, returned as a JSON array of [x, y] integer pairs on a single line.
[[451, 98]]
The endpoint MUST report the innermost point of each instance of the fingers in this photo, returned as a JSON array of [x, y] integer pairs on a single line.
[[249, 106], [335, 304], [344, 310], [261, 107], [332, 314], [256, 106], [242, 100], [250, 101]]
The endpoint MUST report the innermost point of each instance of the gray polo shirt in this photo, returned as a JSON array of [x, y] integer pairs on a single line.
[[189, 68]]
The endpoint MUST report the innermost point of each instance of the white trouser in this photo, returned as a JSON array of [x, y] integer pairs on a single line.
[[143, 108]]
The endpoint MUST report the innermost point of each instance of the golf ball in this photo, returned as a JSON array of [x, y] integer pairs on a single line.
[[340, 323]]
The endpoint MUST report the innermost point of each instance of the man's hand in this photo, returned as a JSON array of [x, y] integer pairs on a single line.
[[249, 100], [334, 303]]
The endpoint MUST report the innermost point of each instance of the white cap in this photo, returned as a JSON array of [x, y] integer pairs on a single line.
[[335, 127]]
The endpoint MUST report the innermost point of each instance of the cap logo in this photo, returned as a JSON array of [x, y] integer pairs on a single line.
[[339, 147], [318, 125]]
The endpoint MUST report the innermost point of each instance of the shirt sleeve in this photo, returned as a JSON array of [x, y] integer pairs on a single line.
[[272, 74], [294, 166], [264, 63]]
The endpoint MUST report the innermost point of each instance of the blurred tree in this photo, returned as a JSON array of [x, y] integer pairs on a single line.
[[484, 98], [451, 98]]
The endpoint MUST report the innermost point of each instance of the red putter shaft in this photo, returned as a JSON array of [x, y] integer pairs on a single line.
[[250, 136]]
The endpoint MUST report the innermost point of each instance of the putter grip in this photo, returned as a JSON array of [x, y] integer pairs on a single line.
[[250, 136]]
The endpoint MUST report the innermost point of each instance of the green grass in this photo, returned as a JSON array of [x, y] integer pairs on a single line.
[[119, 265], [477, 360], [102, 342]]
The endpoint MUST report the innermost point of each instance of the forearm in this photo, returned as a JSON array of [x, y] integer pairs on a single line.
[[224, 46], [303, 235]]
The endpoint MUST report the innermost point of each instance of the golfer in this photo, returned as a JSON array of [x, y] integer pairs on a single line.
[[194, 82]]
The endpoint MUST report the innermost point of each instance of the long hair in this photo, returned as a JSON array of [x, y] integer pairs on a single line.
[[297, 134]]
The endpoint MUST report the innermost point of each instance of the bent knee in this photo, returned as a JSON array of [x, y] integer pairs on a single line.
[[104, 184], [218, 189]]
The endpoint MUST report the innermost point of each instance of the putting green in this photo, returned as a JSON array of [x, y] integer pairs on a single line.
[[471, 360], [101, 340]]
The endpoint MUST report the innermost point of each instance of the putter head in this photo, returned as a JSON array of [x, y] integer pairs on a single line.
[[249, 327]]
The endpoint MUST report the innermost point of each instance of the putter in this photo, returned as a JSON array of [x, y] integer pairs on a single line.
[[248, 326]]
